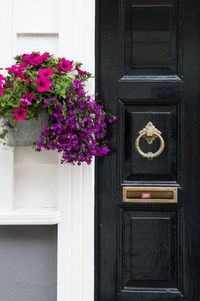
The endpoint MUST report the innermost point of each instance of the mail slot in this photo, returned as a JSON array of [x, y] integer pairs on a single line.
[[149, 195]]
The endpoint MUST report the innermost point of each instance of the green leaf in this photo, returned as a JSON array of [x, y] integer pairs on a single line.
[[50, 110]]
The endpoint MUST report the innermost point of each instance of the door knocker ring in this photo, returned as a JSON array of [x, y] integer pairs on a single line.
[[150, 133]]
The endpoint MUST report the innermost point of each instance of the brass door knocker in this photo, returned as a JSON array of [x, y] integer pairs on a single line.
[[150, 133]]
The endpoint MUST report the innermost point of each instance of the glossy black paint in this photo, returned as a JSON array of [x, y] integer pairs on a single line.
[[150, 32], [148, 69]]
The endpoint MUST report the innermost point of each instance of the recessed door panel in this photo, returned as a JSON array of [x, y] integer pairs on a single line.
[[149, 254], [151, 39], [134, 118]]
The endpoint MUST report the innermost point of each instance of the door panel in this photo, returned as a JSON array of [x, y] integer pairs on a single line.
[[151, 38], [133, 117], [148, 70], [149, 254]]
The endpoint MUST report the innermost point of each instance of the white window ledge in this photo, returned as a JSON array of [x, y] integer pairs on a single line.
[[30, 217]]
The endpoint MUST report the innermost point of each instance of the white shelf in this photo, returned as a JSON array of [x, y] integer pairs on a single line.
[[30, 217]]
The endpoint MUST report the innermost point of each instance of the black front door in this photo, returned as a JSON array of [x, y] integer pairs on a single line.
[[148, 188]]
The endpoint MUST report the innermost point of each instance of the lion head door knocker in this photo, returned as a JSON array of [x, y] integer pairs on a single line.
[[150, 133]]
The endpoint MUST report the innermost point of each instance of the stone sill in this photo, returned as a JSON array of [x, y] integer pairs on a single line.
[[30, 217]]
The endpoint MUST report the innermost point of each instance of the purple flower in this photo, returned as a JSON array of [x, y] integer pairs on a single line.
[[80, 93], [77, 138], [46, 102], [49, 100], [112, 119]]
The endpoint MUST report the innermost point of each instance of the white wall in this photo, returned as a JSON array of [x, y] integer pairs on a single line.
[[35, 188]]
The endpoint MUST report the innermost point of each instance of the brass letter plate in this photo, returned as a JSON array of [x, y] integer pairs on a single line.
[[149, 195]]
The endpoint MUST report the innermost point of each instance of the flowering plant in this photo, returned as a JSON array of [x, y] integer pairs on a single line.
[[77, 125]]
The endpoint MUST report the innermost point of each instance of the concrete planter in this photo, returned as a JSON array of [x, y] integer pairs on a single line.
[[27, 131]]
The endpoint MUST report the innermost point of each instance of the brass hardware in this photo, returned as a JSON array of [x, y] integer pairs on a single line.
[[149, 195], [150, 133]]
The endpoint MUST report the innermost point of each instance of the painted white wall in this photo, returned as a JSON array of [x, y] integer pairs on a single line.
[[34, 187]]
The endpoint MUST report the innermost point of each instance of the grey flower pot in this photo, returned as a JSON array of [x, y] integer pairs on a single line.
[[27, 131]]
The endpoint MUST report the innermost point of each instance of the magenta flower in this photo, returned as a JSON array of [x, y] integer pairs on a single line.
[[1, 85], [7, 85], [44, 84], [39, 59], [46, 72], [16, 70], [20, 113], [45, 56], [25, 102], [65, 65], [30, 96], [34, 58], [81, 72], [26, 57], [81, 93]]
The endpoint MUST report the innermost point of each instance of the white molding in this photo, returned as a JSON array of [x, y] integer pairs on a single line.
[[6, 177], [76, 183], [30, 217]]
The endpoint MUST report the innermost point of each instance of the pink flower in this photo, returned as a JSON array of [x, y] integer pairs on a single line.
[[26, 57], [34, 58], [44, 84], [46, 72], [25, 102], [81, 72], [20, 113], [65, 65], [1, 85], [7, 85], [16, 70], [30, 96], [39, 59]]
